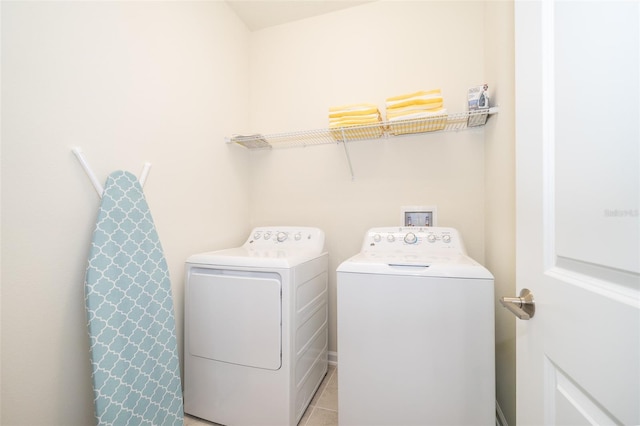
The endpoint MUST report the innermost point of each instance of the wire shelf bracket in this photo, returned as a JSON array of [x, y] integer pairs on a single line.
[[346, 153]]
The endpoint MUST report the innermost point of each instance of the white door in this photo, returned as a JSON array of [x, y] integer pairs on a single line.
[[578, 234]]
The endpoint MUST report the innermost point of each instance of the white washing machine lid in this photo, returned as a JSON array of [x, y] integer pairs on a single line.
[[443, 265], [416, 251], [259, 258]]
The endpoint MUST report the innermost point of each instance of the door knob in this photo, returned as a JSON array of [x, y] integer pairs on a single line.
[[524, 307]]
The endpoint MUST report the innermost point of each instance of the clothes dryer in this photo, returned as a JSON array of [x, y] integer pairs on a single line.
[[256, 333], [415, 332]]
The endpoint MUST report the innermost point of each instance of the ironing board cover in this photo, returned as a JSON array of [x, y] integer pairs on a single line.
[[134, 354]]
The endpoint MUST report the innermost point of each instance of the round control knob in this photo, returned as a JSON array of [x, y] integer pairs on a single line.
[[446, 238], [377, 238], [281, 236], [431, 238], [256, 236], [298, 236], [410, 238], [267, 235], [391, 238]]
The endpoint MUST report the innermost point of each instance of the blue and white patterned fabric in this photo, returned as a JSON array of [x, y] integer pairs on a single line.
[[134, 353]]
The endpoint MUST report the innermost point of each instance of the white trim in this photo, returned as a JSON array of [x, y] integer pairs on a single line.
[[333, 358], [548, 132]]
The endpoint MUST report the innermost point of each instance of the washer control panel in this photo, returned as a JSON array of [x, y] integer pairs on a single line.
[[412, 238], [304, 238]]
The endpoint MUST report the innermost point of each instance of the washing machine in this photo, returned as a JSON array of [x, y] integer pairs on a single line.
[[256, 332], [415, 332]]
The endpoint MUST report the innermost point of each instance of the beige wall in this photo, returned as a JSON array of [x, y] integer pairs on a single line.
[[366, 54], [165, 82], [500, 193], [128, 82]]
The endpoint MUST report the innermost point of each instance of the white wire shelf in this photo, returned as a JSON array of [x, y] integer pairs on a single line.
[[303, 138]]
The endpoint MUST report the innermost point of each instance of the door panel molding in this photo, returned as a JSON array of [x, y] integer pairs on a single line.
[[590, 282], [567, 400], [548, 134], [590, 111]]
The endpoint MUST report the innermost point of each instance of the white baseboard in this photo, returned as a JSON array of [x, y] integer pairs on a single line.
[[333, 358], [500, 420]]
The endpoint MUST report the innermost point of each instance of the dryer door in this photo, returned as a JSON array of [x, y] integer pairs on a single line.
[[235, 317]]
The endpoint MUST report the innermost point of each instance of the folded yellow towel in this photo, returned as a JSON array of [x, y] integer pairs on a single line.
[[373, 114], [410, 109], [418, 97], [355, 120], [354, 114], [421, 94], [354, 124], [424, 103], [367, 111], [416, 112]]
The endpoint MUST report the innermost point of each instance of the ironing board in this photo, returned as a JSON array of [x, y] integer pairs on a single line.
[[134, 354]]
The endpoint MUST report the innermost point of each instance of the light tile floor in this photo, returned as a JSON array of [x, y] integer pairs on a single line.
[[322, 411]]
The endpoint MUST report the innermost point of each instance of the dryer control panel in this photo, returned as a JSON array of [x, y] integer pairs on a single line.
[[286, 237], [419, 239]]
